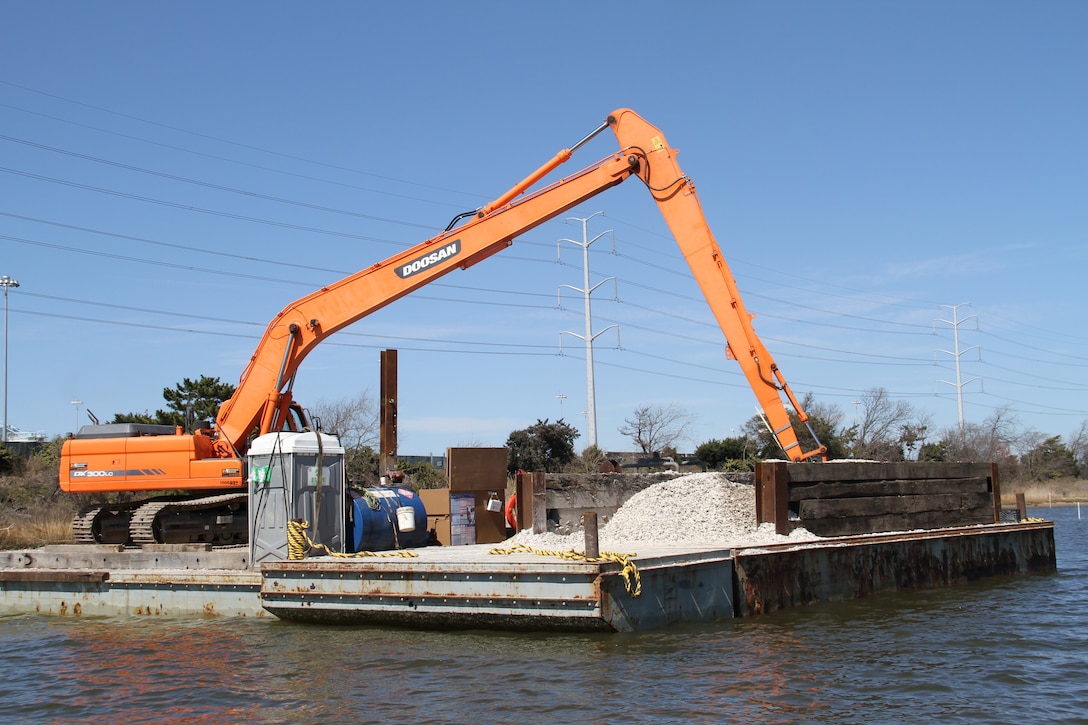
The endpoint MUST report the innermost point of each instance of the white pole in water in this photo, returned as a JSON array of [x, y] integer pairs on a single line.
[[1078, 510]]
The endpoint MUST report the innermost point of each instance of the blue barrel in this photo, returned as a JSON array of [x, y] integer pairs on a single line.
[[374, 521]]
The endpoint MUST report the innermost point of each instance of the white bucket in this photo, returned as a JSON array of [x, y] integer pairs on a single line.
[[406, 518], [494, 505]]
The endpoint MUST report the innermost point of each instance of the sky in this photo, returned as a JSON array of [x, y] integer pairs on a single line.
[[896, 187]]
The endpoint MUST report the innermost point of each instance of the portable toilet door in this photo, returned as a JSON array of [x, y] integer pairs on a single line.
[[295, 476]]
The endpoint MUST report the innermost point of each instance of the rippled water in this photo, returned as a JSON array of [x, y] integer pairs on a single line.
[[1006, 650]]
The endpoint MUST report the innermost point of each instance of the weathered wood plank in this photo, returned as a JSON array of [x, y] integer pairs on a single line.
[[849, 471], [899, 487], [853, 525], [949, 503]]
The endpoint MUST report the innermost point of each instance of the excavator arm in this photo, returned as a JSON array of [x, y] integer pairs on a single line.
[[132, 457], [262, 399]]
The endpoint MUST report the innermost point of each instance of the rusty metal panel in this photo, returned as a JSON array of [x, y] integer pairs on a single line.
[[126, 593], [408, 592], [700, 590], [477, 469], [112, 581], [522, 591], [776, 577], [387, 413], [53, 576]]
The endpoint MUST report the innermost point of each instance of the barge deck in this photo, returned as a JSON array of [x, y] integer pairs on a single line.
[[467, 587]]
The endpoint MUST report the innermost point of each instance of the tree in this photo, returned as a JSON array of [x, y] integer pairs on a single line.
[[542, 446], [1050, 459], [653, 428], [355, 422], [139, 418], [9, 461], [589, 461], [1078, 443], [725, 454], [936, 452], [886, 427], [194, 401], [190, 402], [992, 440], [422, 475], [822, 418]]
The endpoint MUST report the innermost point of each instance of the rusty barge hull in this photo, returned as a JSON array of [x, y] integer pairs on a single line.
[[92, 580], [853, 567], [468, 588], [465, 587]]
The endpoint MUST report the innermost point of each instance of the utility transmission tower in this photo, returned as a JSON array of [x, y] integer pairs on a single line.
[[589, 336], [956, 321]]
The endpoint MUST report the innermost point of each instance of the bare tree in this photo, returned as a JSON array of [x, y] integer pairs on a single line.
[[992, 440], [654, 428], [1078, 443], [589, 461], [886, 426], [354, 420]]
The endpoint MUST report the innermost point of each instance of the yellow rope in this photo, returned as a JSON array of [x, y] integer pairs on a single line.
[[299, 544], [631, 578]]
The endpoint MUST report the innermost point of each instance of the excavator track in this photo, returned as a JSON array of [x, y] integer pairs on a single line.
[[104, 523], [217, 520]]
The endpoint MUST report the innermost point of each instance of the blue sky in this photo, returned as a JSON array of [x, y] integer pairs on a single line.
[[173, 175]]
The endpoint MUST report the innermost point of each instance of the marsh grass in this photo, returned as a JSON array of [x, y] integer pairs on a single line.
[[1061, 491], [36, 525]]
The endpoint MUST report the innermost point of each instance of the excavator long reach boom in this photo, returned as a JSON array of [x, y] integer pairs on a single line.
[[259, 399], [262, 402]]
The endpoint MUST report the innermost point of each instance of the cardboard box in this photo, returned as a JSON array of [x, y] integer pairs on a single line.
[[461, 517], [437, 503]]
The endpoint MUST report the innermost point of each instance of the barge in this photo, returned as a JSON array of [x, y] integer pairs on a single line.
[[467, 587], [483, 586]]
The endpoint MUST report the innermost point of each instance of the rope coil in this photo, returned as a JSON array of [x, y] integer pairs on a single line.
[[299, 544], [632, 581]]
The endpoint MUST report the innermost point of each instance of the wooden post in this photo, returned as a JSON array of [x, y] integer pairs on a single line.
[[387, 454], [772, 496], [589, 523], [523, 489], [539, 505], [995, 487], [1021, 507]]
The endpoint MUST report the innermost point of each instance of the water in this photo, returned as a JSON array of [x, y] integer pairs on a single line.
[[1006, 650]]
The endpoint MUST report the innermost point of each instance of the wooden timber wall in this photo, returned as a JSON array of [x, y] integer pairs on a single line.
[[844, 498]]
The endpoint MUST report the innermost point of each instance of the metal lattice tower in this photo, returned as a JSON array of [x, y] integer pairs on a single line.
[[956, 321], [589, 336]]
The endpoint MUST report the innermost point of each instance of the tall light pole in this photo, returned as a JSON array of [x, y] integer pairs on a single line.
[[6, 282], [77, 403]]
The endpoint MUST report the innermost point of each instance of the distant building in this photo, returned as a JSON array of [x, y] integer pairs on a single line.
[[14, 435], [438, 462], [638, 462]]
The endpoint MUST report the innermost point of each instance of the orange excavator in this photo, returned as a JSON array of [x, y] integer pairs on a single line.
[[130, 457]]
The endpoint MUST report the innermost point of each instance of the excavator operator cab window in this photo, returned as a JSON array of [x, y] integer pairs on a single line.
[[296, 419]]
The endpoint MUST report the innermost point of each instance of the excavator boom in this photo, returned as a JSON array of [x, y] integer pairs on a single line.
[[264, 387], [262, 401]]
